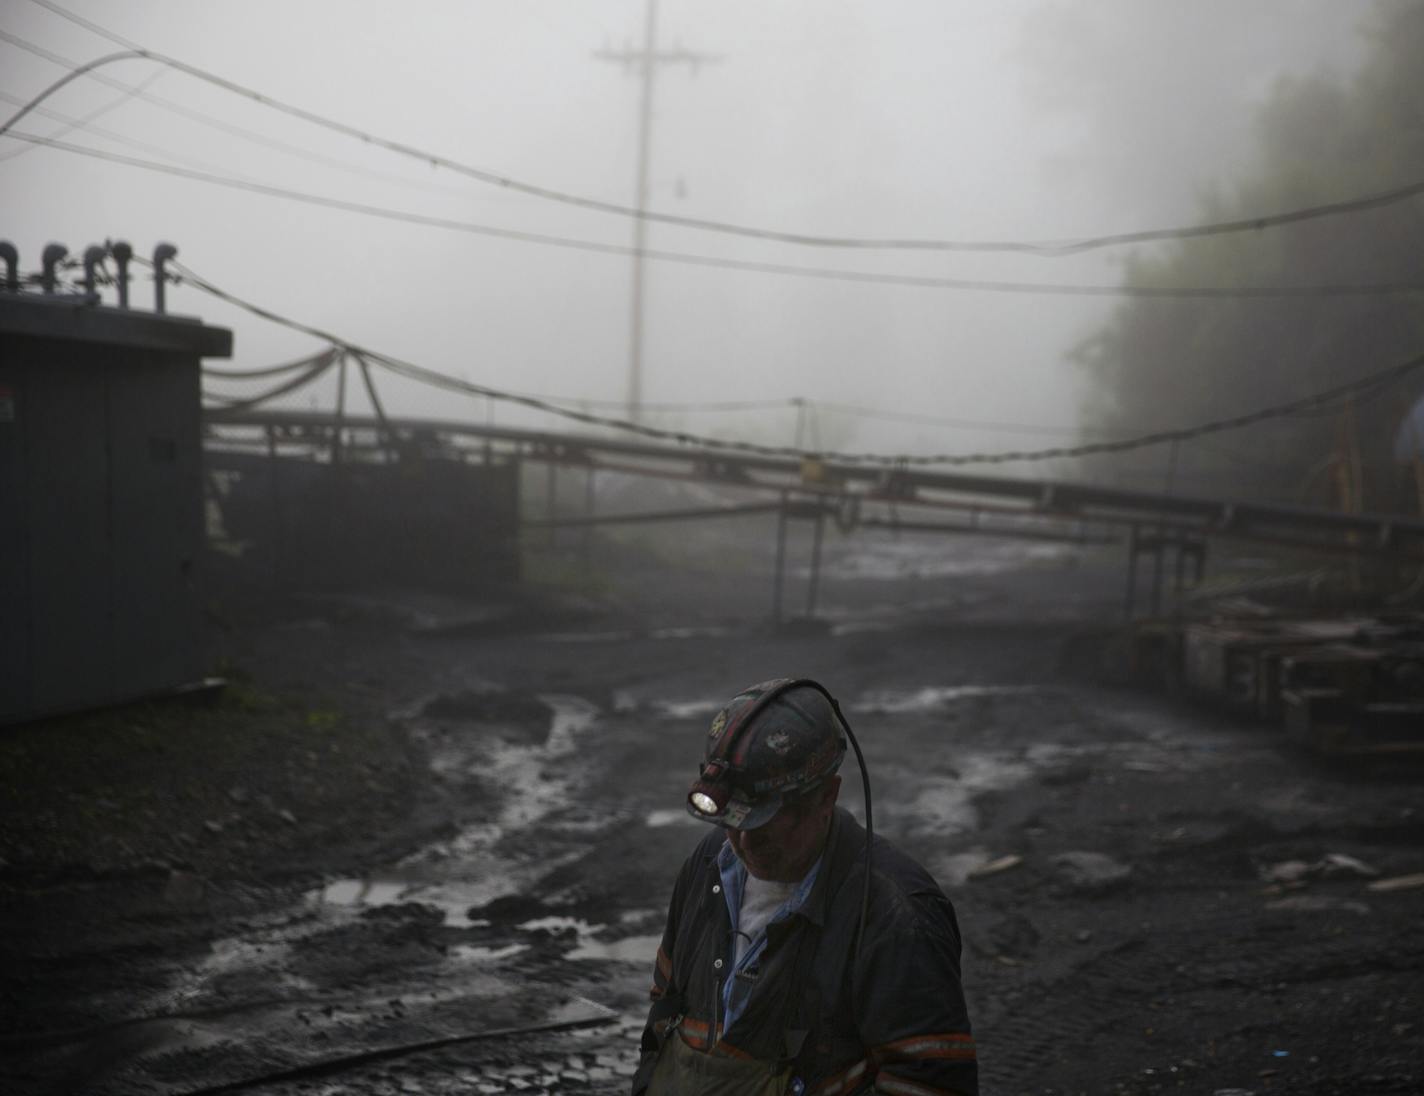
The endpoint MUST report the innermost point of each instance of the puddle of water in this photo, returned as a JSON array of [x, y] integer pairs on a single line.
[[988, 772], [586, 637], [704, 632], [443, 882], [625, 635], [931, 697], [453, 876], [1042, 754], [374, 892], [571, 715], [912, 557], [859, 627], [471, 953], [557, 924], [362, 892], [690, 709], [520, 771], [631, 949], [942, 805], [659, 818], [469, 841], [456, 884], [952, 869], [889, 702], [264, 953]]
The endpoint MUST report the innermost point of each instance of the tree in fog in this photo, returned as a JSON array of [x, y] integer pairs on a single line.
[[1161, 363]]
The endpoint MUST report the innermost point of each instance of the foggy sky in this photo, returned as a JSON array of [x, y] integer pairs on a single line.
[[1022, 119]]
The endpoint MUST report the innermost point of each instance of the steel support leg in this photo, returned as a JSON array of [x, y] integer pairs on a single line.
[[274, 500], [551, 489], [1157, 566], [811, 588], [1130, 599], [588, 505], [337, 429], [778, 576]]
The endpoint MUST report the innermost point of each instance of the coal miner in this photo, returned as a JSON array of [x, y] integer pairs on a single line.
[[799, 957]]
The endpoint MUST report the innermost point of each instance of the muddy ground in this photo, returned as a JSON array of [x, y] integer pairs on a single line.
[[413, 820]]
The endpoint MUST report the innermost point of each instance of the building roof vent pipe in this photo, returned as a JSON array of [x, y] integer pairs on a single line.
[[122, 253], [53, 255], [93, 256], [161, 254], [12, 266]]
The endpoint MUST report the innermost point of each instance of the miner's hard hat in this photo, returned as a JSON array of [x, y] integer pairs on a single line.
[[774, 741]]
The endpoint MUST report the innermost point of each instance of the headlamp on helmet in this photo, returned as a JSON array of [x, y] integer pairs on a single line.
[[709, 794]]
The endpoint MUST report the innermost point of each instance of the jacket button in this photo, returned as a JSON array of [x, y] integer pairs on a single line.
[[716, 888], [716, 964]]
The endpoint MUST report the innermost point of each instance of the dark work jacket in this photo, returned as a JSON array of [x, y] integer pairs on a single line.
[[888, 1016]]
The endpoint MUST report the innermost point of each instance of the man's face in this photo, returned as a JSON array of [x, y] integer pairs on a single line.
[[783, 850]]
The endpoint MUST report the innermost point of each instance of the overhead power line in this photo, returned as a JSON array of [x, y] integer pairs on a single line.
[[858, 411], [308, 360], [314, 368], [135, 90], [303, 363], [1039, 247], [433, 378], [86, 123], [719, 406], [747, 266], [71, 124]]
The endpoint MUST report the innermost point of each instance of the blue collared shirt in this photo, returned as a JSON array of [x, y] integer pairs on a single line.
[[735, 991]]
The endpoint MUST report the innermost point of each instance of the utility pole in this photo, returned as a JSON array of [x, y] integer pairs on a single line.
[[648, 58]]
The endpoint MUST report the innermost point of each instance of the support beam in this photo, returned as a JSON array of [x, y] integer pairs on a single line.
[[811, 587], [779, 576], [1130, 599], [659, 515], [1312, 528]]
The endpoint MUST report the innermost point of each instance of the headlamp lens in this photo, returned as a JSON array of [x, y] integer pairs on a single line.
[[703, 803]]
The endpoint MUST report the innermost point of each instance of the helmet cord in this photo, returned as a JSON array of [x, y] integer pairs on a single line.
[[869, 824]]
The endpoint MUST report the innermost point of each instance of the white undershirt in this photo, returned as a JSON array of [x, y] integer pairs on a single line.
[[760, 899]]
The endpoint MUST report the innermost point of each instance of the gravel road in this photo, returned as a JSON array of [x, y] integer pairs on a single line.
[[421, 822]]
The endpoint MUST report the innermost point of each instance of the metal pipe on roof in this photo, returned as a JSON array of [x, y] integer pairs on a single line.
[[53, 255], [93, 256], [12, 263], [161, 254], [122, 253]]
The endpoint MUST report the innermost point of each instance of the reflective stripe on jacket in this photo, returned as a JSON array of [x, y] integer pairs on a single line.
[[888, 1016]]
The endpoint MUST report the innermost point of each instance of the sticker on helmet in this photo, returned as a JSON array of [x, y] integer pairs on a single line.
[[719, 721], [779, 742]]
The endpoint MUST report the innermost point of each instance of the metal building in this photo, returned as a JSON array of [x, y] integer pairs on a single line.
[[101, 510]]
